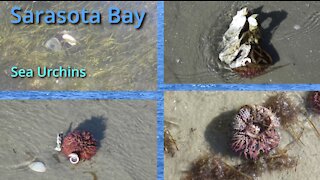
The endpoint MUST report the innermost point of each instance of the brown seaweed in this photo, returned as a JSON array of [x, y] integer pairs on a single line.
[[210, 167], [170, 146], [314, 127], [275, 162], [94, 175], [284, 108], [287, 111], [281, 161]]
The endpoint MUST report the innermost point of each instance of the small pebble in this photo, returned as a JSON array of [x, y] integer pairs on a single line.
[[296, 27]]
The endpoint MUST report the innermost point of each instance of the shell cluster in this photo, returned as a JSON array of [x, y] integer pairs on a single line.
[[61, 41], [255, 131], [241, 50]]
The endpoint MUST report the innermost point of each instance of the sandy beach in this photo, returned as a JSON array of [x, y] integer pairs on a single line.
[[200, 124], [125, 131]]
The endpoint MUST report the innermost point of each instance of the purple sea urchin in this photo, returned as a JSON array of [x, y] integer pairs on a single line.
[[314, 101], [255, 131]]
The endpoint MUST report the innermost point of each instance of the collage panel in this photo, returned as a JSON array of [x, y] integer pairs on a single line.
[[78, 45], [241, 42], [78, 139], [241, 135]]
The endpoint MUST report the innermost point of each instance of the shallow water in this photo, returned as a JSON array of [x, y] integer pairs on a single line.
[[193, 31], [116, 57], [200, 123], [125, 130]]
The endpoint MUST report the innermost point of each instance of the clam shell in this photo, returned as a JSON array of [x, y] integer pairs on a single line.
[[69, 39], [53, 44], [37, 166]]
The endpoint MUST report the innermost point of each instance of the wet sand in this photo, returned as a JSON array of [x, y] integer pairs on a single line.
[[200, 121], [194, 29], [125, 130]]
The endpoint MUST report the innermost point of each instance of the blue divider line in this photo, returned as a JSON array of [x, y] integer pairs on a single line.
[[78, 95], [160, 45], [160, 142], [160, 105]]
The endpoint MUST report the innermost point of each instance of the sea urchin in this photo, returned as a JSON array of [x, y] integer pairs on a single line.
[[81, 143], [314, 101], [255, 131]]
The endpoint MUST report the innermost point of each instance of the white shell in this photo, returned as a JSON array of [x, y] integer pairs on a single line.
[[37, 166], [57, 148], [233, 53], [231, 40], [242, 59], [59, 141], [69, 39], [253, 23], [53, 44], [236, 26], [74, 158]]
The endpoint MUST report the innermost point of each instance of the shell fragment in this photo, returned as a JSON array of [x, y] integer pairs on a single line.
[[69, 39], [37, 166], [59, 141]]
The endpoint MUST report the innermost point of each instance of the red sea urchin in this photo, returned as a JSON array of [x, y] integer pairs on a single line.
[[81, 143], [255, 131], [314, 101]]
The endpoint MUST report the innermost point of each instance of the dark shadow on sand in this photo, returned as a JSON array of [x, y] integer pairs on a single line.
[[219, 133], [266, 33], [96, 125]]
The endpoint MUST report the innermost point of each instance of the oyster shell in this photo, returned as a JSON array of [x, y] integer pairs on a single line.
[[236, 43], [231, 40]]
